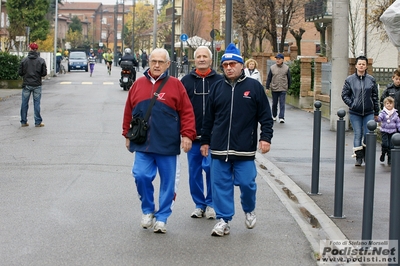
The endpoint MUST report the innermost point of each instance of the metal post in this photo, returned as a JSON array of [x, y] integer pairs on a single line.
[[339, 169], [133, 26], [155, 13], [173, 61], [115, 33], [316, 149], [369, 182], [394, 218], [55, 37], [228, 23]]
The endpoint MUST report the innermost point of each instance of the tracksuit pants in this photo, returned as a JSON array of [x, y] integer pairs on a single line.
[[144, 171], [198, 163], [226, 175]]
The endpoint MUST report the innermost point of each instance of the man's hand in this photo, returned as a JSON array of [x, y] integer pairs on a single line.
[[127, 143], [264, 146], [186, 144], [204, 149]]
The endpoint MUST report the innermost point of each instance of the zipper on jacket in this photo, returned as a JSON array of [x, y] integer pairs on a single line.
[[230, 124], [362, 94], [204, 98]]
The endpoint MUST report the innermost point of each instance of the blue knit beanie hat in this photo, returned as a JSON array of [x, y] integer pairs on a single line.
[[232, 53]]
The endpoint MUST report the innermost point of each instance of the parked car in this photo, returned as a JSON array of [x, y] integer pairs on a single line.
[[77, 60]]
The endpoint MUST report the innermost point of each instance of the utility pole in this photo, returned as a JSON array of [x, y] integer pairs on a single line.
[[340, 57], [228, 23], [133, 25], [115, 32], [55, 37], [155, 13]]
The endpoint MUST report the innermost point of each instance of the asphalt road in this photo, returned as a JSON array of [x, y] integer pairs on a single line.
[[67, 196]]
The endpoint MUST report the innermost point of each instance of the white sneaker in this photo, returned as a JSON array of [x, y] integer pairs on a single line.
[[159, 227], [282, 120], [250, 219], [274, 118], [221, 228], [210, 213], [197, 213], [147, 220]]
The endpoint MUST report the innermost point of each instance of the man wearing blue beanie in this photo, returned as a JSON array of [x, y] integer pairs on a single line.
[[236, 105]]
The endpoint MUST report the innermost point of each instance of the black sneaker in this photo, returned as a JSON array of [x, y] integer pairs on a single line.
[[382, 158], [358, 162]]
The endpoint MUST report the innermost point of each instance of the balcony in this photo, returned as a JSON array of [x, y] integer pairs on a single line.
[[318, 11]]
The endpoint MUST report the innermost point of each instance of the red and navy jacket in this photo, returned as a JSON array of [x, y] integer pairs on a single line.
[[171, 117]]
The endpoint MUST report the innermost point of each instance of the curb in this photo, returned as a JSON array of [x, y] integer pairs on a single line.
[[312, 220]]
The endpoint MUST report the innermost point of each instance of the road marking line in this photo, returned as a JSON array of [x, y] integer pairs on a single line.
[[65, 82], [108, 83]]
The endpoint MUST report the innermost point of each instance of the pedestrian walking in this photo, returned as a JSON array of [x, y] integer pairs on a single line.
[[393, 90], [32, 69], [171, 126], [279, 80], [235, 107], [58, 61], [390, 124], [92, 62], [251, 70], [197, 84], [185, 64], [144, 59], [360, 94]]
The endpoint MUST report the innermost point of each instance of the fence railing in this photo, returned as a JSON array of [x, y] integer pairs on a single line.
[[383, 75]]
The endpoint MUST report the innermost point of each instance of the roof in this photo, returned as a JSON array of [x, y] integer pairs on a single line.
[[79, 6]]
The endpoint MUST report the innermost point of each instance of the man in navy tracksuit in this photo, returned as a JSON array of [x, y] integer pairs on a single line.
[[197, 84], [235, 106]]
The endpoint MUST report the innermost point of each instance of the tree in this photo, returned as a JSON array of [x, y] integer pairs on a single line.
[[261, 19], [321, 28], [298, 34], [75, 38], [375, 13], [76, 24], [32, 13]]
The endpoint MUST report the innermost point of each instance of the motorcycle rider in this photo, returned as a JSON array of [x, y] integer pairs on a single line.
[[129, 57]]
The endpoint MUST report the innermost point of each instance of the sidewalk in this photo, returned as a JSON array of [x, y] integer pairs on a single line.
[[290, 159]]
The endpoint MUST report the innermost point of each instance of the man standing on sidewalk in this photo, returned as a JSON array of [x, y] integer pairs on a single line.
[[279, 80], [235, 107], [32, 69], [197, 84]]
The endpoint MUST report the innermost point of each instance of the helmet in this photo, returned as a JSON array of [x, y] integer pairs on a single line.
[[127, 50]]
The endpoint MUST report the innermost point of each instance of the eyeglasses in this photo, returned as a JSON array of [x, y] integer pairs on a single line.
[[155, 62], [231, 64]]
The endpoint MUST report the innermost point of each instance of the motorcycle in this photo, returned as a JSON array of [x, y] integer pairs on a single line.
[[128, 75]]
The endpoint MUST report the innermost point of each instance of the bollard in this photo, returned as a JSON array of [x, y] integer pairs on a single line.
[[316, 149], [339, 168], [369, 182], [394, 219]]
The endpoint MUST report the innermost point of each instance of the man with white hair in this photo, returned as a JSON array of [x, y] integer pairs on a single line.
[[197, 84], [171, 126]]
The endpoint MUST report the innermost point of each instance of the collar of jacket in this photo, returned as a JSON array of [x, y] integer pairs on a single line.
[[147, 75], [239, 79], [212, 73]]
